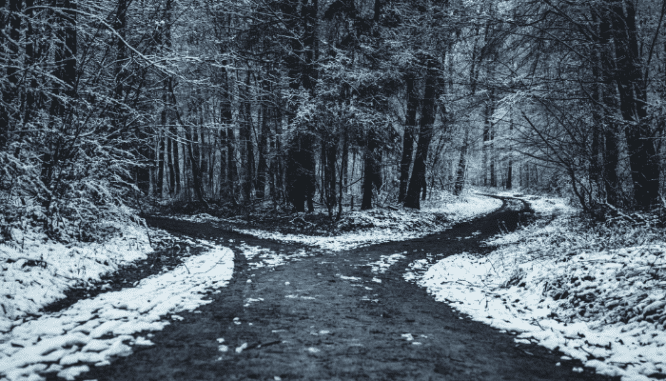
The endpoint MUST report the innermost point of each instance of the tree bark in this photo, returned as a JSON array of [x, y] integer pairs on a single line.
[[462, 166], [121, 73], [232, 168], [408, 137], [262, 146], [633, 105], [329, 159], [428, 112], [247, 144], [300, 174], [371, 170]]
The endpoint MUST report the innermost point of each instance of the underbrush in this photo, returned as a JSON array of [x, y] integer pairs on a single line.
[[595, 272], [595, 291], [438, 211], [43, 255], [356, 228]]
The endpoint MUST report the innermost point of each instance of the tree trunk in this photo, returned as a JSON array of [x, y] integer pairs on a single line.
[[247, 151], [462, 166], [371, 170], [232, 163], [329, 158], [165, 166], [344, 163], [196, 170], [408, 137], [120, 71], [488, 144], [633, 105], [33, 100], [276, 165], [428, 112], [302, 70], [262, 166], [300, 172]]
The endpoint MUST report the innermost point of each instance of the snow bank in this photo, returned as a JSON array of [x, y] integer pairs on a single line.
[[543, 205], [554, 286], [93, 331], [37, 273]]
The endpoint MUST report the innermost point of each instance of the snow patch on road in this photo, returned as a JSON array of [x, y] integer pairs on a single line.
[[384, 262], [93, 331], [260, 257]]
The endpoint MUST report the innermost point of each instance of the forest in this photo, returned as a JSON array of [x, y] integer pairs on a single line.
[[338, 105]]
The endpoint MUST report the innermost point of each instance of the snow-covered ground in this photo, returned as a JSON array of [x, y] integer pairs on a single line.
[[596, 295], [392, 225], [38, 272]]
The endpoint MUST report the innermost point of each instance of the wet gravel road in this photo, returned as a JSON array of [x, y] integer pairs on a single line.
[[323, 317]]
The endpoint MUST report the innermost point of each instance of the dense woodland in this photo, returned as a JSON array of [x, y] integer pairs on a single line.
[[339, 104]]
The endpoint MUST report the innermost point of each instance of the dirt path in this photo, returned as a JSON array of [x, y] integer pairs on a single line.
[[324, 318]]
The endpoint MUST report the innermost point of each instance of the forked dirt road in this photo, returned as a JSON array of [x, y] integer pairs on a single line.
[[311, 320]]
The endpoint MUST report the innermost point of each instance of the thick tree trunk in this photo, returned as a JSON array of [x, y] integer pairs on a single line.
[[196, 169], [428, 113], [633, 105], [605, 161], [302, 70], [300, 172], [371, 170], [408, 137]]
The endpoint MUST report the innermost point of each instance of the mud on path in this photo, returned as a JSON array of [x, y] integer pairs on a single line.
[[323, 317]]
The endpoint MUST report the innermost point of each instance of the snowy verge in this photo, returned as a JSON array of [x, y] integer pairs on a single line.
[[38, 272], [392, 225], [595, 293], [93, 331], [543, 205]]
